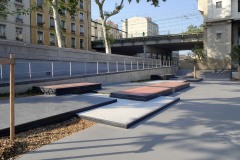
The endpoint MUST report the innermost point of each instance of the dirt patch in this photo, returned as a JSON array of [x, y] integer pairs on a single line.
[[35, 138]]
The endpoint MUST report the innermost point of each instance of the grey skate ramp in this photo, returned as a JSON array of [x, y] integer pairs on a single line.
[[35, 111], [126, 113]]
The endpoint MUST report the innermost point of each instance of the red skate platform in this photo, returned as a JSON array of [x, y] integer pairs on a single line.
[[142, 93], [176, 86]]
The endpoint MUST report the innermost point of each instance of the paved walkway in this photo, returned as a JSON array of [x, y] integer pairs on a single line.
[[205, 124]]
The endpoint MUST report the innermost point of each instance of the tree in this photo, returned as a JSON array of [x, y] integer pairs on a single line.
[[235, 56], [58, 6], [105, 15], [194, 29], [197, 55]]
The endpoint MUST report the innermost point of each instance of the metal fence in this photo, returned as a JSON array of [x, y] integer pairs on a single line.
[[51, 69]]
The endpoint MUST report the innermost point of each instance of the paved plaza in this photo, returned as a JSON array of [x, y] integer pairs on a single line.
[[205, 124]]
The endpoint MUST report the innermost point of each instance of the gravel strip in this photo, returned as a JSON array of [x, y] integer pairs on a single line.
[[35, 138]]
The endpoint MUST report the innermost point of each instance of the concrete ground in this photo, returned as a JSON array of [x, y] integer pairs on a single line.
[[205, 124], [43, 109]]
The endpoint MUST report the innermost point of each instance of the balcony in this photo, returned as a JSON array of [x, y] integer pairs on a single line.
[[3, 36], [19, 3], [52, 26], [81, 20], [18, 38], [82, 33], [73, 18], [73, 31], [40, 23], [40, 41], [19, 20], [52, 43]]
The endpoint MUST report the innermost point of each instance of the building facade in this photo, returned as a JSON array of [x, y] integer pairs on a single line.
[[76, 29], [16, 27], [97, 33], [222, 30], [140, 26]]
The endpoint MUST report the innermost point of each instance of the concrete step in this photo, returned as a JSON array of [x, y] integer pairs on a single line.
[[73, 88], [126, 113]]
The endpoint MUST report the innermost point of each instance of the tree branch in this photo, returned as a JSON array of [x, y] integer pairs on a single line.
[[115, 11]]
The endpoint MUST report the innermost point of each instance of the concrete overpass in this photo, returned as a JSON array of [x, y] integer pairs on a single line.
[[161, 44]]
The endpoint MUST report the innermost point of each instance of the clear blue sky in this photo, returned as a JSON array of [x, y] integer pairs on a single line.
[[173, 16]]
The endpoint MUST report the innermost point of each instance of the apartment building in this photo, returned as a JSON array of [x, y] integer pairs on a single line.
[[97, 33], [16, 27], [222, 30], [76, 29], [140, 26]]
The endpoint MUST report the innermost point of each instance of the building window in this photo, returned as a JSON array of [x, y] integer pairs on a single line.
[[73, 27], [219, 4], [62, 12], [19, 35], [52, 39], [40, 19], [81, 4], [63, 25], [73, 42], [219, 36], [81, 43], [19, 18], [19, 1], [39, 3], [52, 24], [81, 17], [2, 31], [40, 37], [81, 29], [238, 5]]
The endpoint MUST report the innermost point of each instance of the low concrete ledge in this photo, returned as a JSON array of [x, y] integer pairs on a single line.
[[99, 78]]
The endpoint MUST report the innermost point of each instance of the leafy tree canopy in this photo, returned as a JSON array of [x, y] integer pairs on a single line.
[[194, 29]]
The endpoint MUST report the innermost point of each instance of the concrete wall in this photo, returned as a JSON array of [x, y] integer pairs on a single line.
[[44, 53], [105, 78], [36, 52]]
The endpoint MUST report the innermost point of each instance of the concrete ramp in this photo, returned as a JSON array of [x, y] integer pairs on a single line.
[[126, 113]]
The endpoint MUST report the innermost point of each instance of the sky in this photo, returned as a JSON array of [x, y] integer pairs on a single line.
[[173, 16]]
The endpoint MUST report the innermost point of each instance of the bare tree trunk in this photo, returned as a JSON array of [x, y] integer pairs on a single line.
[[105, 36], [57, 23], [195, 71]]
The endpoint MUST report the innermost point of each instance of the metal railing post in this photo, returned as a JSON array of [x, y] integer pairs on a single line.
[[124, 63], [97, 68], [108, 67], [70, 68], [1, 71], [29, 70], [156, 64], [85, 68], [117, 66], [137, 66], [143, 65], [131, 66], [52, 69]]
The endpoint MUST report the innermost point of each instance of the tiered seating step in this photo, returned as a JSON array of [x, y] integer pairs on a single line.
[[176, 86]]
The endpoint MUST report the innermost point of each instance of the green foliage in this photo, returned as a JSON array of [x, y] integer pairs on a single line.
[[197, 55], [153, 2], [235, 54], [194, 29]]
